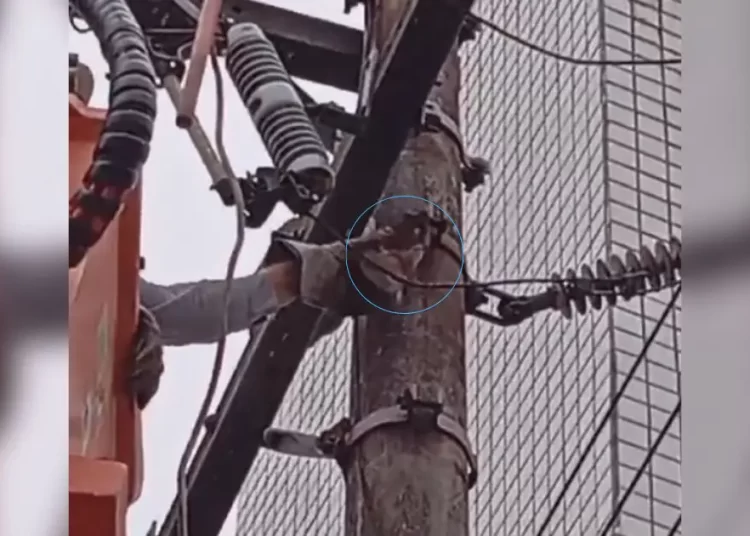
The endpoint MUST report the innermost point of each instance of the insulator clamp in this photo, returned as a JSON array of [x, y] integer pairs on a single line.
[[609, 281]]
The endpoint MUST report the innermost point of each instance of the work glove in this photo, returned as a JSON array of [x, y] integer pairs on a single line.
[[294, 229], [380, 261], [148, 359]]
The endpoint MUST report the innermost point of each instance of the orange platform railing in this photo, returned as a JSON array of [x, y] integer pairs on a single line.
[[105, 438]]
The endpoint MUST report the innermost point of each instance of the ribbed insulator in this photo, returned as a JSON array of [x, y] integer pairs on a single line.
[[648, 269], [125, 139], [277, 111]]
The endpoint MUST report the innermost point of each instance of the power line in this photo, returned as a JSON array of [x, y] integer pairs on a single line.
[[675, 526], [646, 462], [570, 59], [610, 411]]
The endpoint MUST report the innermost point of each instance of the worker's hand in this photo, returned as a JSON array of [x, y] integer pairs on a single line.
[[414, 230], [379, 262], [148, 362], [382, 276]]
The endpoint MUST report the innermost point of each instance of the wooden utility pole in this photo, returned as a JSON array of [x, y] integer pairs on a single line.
[[401, 482]]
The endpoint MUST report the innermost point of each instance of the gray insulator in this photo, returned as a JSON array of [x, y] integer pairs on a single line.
[[277, 111]]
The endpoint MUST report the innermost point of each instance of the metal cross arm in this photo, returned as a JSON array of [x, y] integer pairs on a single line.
[[408, 69], [313, 49]]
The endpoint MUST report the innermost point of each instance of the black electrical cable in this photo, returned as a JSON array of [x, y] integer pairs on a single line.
[[125, 139], [74, 15], [675, 526], [646, 462], [570, 59], [610, 411]]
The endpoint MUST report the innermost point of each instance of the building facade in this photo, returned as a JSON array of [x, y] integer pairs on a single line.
[[586, 163]]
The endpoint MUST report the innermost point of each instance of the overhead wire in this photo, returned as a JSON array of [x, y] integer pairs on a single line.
[[75, 17], [570, 59], [641, 469], [182, 483], [675, 526], [610, 411]]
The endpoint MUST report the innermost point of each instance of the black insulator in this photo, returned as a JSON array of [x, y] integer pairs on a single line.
[[125, 139], [648, 269]]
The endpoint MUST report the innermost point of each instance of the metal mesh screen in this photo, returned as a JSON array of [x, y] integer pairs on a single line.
[[285, 495], [537, 390], [585, 163], [644, 179]]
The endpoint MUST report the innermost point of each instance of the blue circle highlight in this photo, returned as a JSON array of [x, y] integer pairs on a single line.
[[349, 238]]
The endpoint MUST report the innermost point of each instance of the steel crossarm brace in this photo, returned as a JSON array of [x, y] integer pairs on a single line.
[[410, 66], [311, 48]]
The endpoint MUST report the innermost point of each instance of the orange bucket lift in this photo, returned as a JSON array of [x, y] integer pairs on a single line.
[[105, 460]]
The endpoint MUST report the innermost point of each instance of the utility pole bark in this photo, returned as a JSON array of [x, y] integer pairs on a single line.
[[401, 482]]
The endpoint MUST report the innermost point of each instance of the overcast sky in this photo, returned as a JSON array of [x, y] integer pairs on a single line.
[[188, 235]]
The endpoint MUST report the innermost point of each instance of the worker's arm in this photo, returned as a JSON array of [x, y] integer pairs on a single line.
[[192, 313]]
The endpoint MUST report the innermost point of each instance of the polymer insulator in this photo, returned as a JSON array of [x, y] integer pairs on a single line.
[[125, 139], [647, 269], [266, 89]]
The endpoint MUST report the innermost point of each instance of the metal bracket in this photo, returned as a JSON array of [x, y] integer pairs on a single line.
[[329, 119], [336, 443], [335, 116], [80, 78], [263, 190], [511, 310], [152, 529], [469, 30], [367, 81], [473, 169], [351, 4]]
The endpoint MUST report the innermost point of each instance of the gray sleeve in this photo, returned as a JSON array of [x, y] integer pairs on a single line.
[[191, 313]]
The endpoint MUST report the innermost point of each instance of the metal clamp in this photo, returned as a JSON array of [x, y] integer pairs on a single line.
[[469, 30], [351, 4], [336, 442], [511, 310], [335, 116], [474, 169], [80, 79]]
